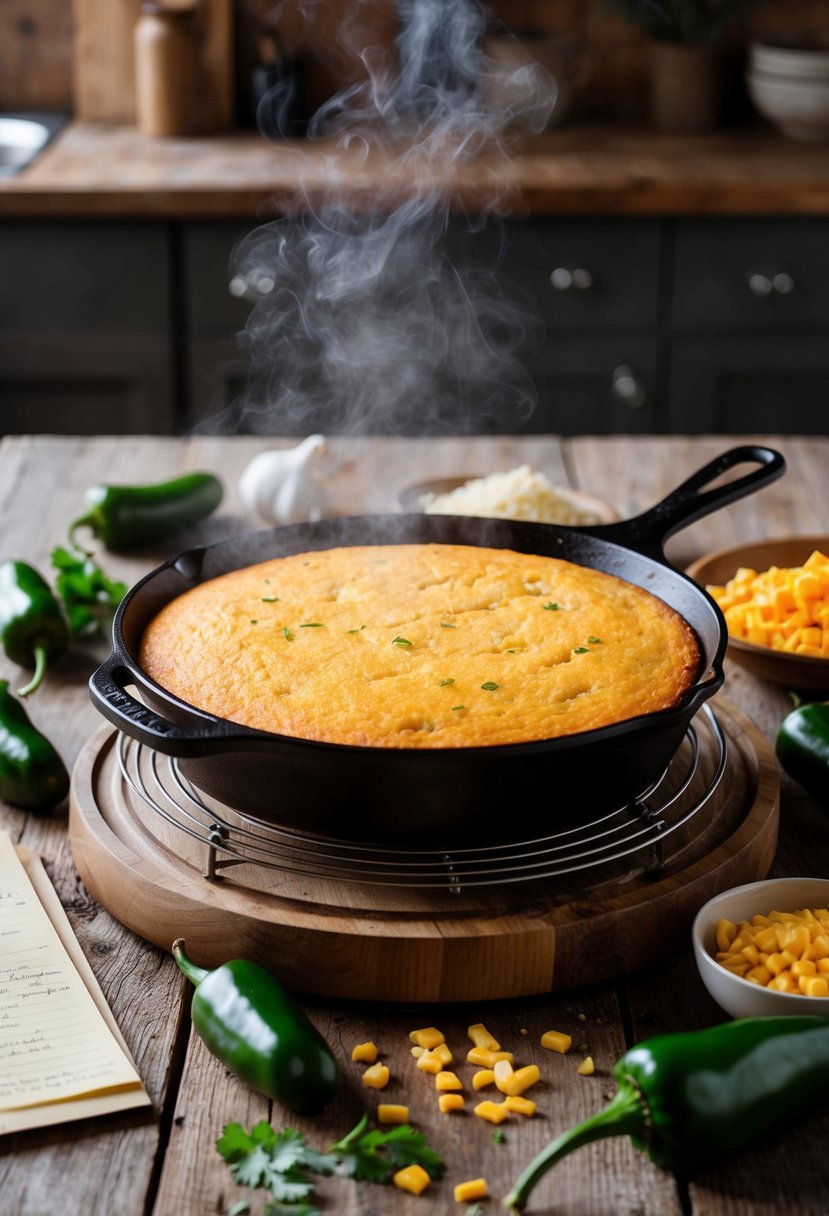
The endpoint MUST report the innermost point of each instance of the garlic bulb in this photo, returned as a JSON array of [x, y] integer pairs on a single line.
[[285, 486]]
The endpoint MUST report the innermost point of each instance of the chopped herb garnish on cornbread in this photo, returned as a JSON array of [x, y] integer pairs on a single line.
[[400, 642], [357, 630], [454, 707], [311, 625], [489, 686], [447, 625], [551, 607], [288, 634], [512, 651], [582, 650], [254, 620], [594, 641], [444, 683], [270, 599]]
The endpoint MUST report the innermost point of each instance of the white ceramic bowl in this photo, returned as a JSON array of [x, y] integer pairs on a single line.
[[778, 59], [735, 995], [799, 107]]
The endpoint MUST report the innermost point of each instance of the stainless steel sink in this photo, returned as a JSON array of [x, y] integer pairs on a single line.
[[21, 139]]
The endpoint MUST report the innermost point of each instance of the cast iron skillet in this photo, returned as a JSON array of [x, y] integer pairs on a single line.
[[514, 790]]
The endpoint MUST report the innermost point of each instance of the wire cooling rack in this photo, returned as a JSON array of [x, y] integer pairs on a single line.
[[637, 829]]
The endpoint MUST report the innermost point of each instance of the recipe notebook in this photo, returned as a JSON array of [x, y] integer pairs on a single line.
[[62, 1056]]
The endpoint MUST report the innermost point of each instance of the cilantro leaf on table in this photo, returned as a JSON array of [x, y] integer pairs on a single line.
[[278, 1161], [375, 1155], [264, 1157], [87, 593]]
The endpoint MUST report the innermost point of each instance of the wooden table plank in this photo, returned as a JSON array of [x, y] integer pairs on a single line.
[[165, 1162]]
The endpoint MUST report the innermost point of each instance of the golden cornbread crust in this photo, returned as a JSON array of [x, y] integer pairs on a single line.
[[421, 646]]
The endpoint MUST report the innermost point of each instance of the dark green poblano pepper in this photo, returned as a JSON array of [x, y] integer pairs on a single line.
[[802, 747], [32, 774], [256, 1028], [33, 628], [124, 515], [693, 1100]]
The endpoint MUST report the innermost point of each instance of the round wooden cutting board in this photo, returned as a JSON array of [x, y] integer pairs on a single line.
[[349, 940]]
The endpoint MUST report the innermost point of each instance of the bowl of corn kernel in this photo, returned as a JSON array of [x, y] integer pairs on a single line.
[[763, 948], [774, 595]]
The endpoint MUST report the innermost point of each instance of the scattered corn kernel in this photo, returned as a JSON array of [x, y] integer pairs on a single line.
[[493, 1112], [429, 1062], [783, 608], [377, 1076], [518, 1105], [587, 1067], [522, 1079], [443, 1053], [389, 1112], [413, 1179], [365, 1053], [466, 1192], [484, 1076], [450, 1102], [447, 1080], [503, 1074], [778, 950], [428, 1037], [485, 1058], [417, 1052], [481, 1037], [556, 1040]]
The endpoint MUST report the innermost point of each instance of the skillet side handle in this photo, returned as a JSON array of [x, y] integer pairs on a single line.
[[689, 502], [109, 696]]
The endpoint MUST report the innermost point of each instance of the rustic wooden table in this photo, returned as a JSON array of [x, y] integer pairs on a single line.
[[164, 1163]]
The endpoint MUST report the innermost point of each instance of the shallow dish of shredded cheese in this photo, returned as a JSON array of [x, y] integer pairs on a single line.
[[521, 493]]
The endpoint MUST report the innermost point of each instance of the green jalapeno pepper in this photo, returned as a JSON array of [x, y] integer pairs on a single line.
[[691, 1101], [32, 774], [122, 516], [249, 1022], [33, 628], [802, 747]]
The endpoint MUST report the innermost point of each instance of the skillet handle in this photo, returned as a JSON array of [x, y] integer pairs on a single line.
[[109, 696], [647, 533]]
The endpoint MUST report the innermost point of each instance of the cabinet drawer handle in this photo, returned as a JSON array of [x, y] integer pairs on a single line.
[[251, 286], [628, 387], [577, 279], [780, 284]]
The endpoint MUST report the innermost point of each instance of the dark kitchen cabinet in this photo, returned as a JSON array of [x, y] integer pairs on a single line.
[[739, 385], [86, 341], [749, 347], [625, 325]]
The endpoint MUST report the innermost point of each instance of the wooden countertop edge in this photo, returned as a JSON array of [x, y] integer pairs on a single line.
[[95, 170]]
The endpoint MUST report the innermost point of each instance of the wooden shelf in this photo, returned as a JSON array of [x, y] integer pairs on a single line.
[[97, 170]]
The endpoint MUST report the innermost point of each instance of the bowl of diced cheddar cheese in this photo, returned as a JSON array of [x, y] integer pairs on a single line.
[[763, 948], [774, 595]]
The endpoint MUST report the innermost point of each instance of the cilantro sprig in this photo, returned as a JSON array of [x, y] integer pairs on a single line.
[[88, 595], [281, 1162]]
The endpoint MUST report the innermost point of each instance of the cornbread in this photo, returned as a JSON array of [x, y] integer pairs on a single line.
[[421, 646]]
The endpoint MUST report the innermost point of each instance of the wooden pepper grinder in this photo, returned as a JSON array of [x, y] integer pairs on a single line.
[[167, 70]]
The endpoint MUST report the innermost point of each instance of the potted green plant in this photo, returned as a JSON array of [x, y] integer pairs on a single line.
[[686, 70]]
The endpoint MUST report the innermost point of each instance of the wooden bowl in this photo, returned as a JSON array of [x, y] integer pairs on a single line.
[[409, 498], [795, 671]]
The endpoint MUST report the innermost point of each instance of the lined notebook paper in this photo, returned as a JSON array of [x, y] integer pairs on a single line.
[[62, 1056]]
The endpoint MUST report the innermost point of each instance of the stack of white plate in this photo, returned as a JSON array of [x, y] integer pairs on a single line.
[[789, 85]]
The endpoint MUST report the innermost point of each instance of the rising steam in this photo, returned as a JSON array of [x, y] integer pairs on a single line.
[[387, 312]]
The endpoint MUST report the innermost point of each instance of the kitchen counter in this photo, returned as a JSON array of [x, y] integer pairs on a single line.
[[164, 1163], [94, 170]]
